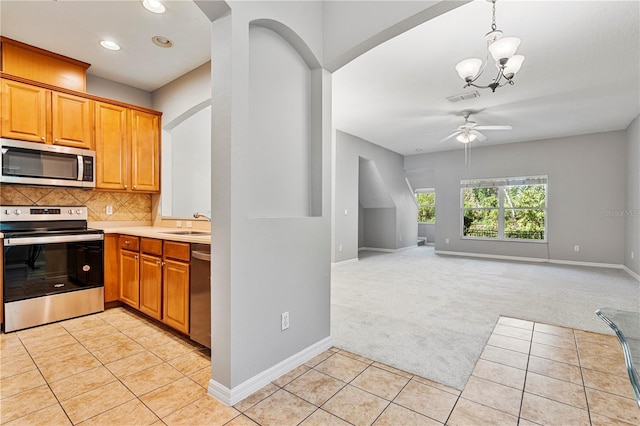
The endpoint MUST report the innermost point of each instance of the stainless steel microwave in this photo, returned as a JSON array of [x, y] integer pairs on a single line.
[[32, 163]]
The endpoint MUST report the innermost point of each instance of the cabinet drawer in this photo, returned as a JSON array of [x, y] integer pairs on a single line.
[[151, 246], [177, 250], [128, 242]]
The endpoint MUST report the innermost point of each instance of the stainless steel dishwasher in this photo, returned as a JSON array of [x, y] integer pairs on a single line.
[[200, 297]]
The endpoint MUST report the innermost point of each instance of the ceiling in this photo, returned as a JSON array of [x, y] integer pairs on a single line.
[[581, 74], [75, 27]]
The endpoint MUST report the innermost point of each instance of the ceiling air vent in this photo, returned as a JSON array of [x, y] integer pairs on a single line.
[[463, 96]]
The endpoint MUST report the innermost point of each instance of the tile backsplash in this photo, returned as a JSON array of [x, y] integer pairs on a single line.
[[125, 206]]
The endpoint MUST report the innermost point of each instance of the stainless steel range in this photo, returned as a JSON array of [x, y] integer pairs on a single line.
[[53, 265]]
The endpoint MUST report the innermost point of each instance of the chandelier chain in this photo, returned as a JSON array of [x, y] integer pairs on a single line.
[[493, 21]]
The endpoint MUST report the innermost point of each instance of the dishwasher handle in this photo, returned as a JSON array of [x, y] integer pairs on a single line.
[[201, 255]]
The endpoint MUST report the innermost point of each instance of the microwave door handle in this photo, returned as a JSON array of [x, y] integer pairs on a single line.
[[80, 167]]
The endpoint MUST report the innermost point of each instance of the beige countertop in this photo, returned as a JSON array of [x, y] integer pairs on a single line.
[[154, 232], [158, 232]]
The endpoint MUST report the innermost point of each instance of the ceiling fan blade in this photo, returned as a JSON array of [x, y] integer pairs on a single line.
[[456, 133], [493, 127], [479, 135]]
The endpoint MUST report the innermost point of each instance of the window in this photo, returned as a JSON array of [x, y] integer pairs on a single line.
[[505, 209], [426, 199]]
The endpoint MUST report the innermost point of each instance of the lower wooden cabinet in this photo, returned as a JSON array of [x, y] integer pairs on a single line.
[[151, 285], [176, 295], [154, 278]]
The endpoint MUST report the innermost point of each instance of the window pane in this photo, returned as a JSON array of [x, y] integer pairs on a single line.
[[426, 214], [481, 197], [524, 224], [480, 223], [524, 196], [426, 199]]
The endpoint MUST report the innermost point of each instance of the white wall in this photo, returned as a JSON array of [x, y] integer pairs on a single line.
[[587, 177], [632, 209], [182, 102], [120, 92], [347, 227], [265, 266]]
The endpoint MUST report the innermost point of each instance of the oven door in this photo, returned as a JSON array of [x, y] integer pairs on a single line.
[[48, 265]]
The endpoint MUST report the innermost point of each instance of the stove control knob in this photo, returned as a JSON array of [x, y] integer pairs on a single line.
[[70, 211], [7, 211], [79, 211], [18, 211]]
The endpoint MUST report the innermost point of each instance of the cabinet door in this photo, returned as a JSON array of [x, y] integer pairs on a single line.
[[129, 278], [145, 152], [111, 275], [176, 295], [24, 112], [71, 120], [112, 146], [151, 285]]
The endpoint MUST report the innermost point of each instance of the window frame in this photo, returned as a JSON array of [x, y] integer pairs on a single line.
[[426, 191], [501, 183]]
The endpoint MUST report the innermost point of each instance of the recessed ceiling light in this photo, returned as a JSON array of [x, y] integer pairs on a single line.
[[161, 41], [108, 44], [154, 6]]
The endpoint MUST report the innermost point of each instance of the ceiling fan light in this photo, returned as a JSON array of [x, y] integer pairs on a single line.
[[513, 66], [466, 137], [504, 48], [468, 68]]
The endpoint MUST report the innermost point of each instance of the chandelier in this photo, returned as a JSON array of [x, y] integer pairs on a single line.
[[502, 50]]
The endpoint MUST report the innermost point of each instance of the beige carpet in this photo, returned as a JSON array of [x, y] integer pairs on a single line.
[[431, 314]]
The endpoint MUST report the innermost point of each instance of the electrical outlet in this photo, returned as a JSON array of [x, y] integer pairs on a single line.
[[576, 248], [346, 212], [109, 209], [189, 224], [284, 320], [631, 255], [340, 249], [446, 241], [178, 224]]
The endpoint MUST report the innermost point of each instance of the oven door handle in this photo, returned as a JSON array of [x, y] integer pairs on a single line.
[[25, 241]]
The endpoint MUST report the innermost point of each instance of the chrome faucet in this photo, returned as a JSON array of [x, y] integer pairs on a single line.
[[198, 214]]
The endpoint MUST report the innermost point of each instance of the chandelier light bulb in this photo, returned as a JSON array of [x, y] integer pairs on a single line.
[[504, 48], [469, 68], [513, 66]]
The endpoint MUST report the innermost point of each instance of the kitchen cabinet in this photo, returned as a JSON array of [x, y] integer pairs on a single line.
[[112, 146], [127, 149], [176, 285], [37, 114], [145, 151], [151, 277], [111, 272], [129, 270], [154, 278]]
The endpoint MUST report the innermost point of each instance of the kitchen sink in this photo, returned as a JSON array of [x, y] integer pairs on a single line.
[[187, 232]]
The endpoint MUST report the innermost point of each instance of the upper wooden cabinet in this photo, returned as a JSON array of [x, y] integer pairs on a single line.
[[145, 151], [37, 64], [112, 146], [37, 114], [24, 111], [127, 149]]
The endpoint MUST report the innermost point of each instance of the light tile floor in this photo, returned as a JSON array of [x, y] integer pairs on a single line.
[[117, 368]]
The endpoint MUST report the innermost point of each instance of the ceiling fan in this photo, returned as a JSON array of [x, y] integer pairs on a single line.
[[468, 132]]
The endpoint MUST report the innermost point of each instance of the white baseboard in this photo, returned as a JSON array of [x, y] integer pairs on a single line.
[[491, 256], [630, 272], [344, 262], [537, 260], [387, 250], [249, 386]]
